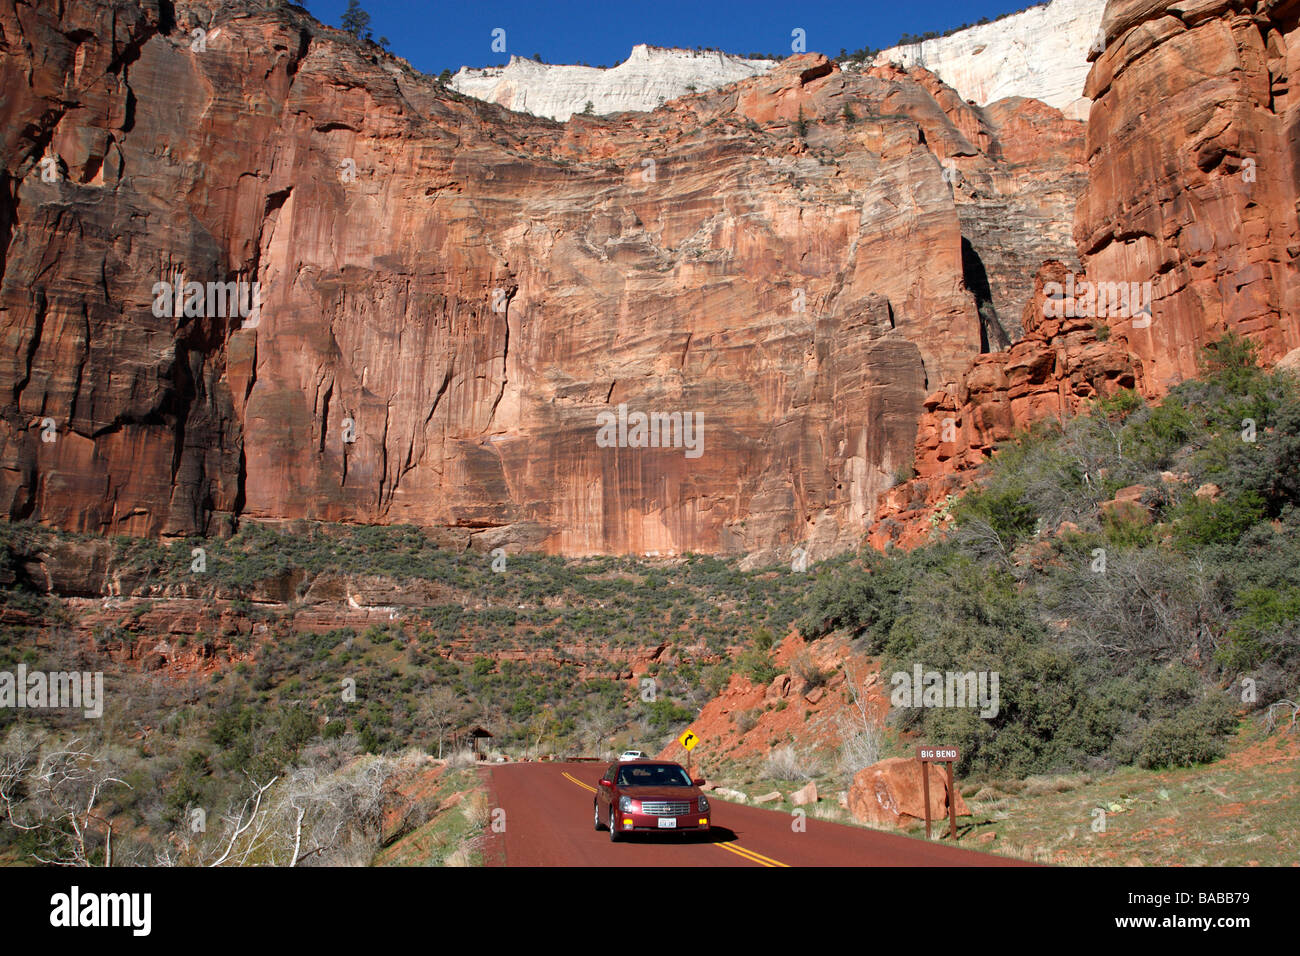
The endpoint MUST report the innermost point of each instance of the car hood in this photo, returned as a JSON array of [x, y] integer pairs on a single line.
[[660, 793]]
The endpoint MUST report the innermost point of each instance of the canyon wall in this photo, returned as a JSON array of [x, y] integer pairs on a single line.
[[451, 295], [1196, 198], [1197, 195], [1060, 364], [826, 270], [1041, 53], [649, 77]]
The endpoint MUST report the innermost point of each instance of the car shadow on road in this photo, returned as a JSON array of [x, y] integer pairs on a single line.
[[713, 835]]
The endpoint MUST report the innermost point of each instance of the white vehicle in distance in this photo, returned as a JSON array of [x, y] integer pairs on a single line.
[[627, 755]]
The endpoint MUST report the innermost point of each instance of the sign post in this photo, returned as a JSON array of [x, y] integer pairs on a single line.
[[688, 740], [948, 755]]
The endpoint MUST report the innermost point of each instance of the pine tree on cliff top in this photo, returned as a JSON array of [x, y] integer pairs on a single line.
[[355, 20]]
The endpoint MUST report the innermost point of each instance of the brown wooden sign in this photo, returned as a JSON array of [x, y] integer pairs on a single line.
[[948, 755]]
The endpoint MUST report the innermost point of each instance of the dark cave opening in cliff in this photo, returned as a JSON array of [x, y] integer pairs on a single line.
[[992, 336]]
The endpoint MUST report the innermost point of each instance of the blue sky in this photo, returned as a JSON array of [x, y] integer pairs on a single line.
[[434, 34]]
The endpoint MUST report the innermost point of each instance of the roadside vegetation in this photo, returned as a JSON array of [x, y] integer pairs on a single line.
[[540, 653], [1132, 576], [1123, 636]]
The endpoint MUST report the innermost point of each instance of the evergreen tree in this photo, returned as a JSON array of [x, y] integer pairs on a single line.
[[355, 20]]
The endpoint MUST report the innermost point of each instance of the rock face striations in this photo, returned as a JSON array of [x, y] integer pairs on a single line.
[[649, 77], [462, 313], [1041, 53], [1198, 195], [1061, 363], [1193, 203]]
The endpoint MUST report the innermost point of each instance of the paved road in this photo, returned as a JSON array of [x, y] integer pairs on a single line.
[[548, 823]]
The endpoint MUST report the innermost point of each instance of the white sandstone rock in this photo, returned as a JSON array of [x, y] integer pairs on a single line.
[[648, 77], [1040, 53]]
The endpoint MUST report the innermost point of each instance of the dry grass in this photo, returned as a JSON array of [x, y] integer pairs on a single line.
[[461, 759], [786, 763], [1040, 786], [476, 811], [462, 856], [1239, 811]]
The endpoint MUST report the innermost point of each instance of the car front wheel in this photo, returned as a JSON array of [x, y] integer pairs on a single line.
[[595, 811], [613, 824]]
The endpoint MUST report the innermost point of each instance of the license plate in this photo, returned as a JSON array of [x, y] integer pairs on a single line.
[[667, 823]]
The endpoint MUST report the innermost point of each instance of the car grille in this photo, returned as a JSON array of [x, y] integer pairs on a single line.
[[666, 808]]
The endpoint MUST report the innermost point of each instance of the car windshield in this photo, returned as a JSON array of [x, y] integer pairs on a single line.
[[653, 775]]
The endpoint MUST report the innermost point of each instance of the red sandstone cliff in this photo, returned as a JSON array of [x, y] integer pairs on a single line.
[[1193, 181], [1192, 186], [1061, 363], [462, 290]]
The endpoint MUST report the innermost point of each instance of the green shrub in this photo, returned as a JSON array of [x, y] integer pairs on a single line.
[[757, 666], [665, 714], [1194, 737], [1265, 614], [1003, 508], [1223, 522], [1230, 362]]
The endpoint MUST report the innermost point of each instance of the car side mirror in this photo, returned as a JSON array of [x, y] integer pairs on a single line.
[[698, 781], [607, 783]]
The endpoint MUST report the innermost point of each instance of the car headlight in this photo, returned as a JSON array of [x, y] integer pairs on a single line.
[[704, 804], [625, 804]]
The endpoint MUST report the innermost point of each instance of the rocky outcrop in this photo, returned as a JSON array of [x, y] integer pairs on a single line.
[[648, 78], [1061, 363], [1199, 196], [805, 795], [891, 793], [1015, 172], [452, 296], [1191, 207], [1040, 53]]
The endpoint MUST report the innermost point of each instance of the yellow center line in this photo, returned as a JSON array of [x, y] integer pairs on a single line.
[[757, 857], [568, 776], [740, 851], [745, 854]]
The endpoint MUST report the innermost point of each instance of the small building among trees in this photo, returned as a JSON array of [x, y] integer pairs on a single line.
[[472, 737]]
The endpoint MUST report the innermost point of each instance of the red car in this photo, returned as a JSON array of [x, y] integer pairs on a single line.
[[649, 796]]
